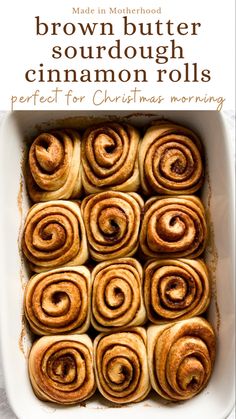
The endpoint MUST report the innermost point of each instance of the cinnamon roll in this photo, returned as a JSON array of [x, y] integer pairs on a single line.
[[117, 300], [170, 160], [54, 166], [109, 158], [58, 301], [112, 222], [175, 289], [181, 357], [54, 236], [121, 365], [174, 226], [61, 369]]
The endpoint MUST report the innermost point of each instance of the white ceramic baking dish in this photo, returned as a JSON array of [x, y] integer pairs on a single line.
[[216, 401]]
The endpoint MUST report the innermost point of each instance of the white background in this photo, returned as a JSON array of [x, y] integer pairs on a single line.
[[21, 49]]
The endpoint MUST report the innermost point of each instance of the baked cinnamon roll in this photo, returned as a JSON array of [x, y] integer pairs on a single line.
[[109, 158], [54, 236], [58, 301], [174, 226], [170, 160], [117, 300], [121, 365], [175, 289], [181, 357], [112, 222], [61, 369], [54, 166]]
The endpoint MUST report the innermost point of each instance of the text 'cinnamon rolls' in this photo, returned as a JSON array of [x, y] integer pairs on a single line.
[[175, 289], [58, 301], [61, 368], [112, 221], [170, 160], [109, 157], [117, 300], [121, 365], [54, 236], [181, 357], [54, 166], [173, 226]]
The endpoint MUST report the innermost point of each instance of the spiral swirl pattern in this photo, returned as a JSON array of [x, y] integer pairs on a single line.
[[173, 226], [121, 365], [61, 368], [181, 357], [54, 166], [175, 289], [117, 300], [54, 236], [170, 160], [109, 157], [112, 222], [58, 301]]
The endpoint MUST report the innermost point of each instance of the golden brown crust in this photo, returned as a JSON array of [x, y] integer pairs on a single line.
[[112, 221], [61, 368], [170, 160], [117, 300], [54, 236], [121, 365], [109, 158], [181, 357], [54, 166], [174, 226], [175, 289], [58, 301]]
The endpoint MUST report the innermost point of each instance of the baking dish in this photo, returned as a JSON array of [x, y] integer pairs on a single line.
[[217, 399]]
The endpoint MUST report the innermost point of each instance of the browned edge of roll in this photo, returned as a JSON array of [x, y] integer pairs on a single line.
[[112, 222], [117, 300], [171, 160], [53, 169], [61, 369], [54, 236], [110, 158], [181, 357], [175, 289], [173, 226], [121, 365], [59, 301]]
